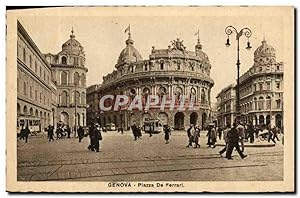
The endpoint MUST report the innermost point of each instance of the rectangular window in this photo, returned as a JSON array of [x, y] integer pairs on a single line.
[[40, 97], [278, 85], [30, 91], [260, 87], [40, 71], [35, 97]]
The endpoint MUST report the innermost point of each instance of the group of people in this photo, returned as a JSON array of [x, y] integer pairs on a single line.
[[193, 133], [24, 133], [95, 137]]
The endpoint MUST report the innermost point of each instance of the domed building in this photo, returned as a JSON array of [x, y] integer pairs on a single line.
[[171, 73], [261, 89], [69, 75]]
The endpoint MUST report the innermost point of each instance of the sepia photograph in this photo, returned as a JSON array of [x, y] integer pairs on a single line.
[[150, 99]]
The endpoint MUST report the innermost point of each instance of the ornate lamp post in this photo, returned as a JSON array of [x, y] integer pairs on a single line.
[[247, 32]]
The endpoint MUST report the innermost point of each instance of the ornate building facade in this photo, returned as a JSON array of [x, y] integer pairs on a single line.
[[69, 75], [50, 88], [261, 89], [226, 103], [35, 89], [168, 72]]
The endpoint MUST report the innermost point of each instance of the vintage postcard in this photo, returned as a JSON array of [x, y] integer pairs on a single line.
[[150, 99]]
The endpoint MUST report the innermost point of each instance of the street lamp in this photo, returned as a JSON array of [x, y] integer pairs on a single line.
[[247, 32]]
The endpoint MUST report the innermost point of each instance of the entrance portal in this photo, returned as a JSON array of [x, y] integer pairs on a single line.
[[179, 121]]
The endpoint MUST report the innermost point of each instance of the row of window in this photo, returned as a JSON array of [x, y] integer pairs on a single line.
[[32, 94], [34, 65], [76, 97], [77, 79]]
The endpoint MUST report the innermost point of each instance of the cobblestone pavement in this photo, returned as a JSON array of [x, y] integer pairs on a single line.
[[148, 159]]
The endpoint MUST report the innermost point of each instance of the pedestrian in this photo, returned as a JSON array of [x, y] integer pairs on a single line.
[[190, 137], [167, 131], [271, 134], [50, 133], [91, 136], [233, 142], [208, 136], [225, 132], [151, 129], [241, 131], [276, 130], [196, 136], [220, 132], [80, 133], [251, 132], [213, 136], [68, 130], [22, 136], [26, 133], [96, 138], [139, 132], [134, 131]]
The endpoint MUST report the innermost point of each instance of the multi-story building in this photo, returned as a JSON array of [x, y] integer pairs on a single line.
[[92, 99], [226, 103], [69, 75], [261, 90], [168, 72], [50, 88], [35, 89]]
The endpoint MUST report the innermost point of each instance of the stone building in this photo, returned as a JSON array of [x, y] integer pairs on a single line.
[[226, 103], [173, 71], [69, 75], [261, 89], [36, 101], [92, 100]]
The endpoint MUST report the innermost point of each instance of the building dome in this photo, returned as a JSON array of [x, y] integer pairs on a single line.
[[72, 46], [265, 50], [200, 53], [129, 53]]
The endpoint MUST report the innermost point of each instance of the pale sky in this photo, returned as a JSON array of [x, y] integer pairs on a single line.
[[103, 38]]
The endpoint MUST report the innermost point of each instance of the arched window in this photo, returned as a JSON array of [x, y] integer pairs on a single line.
[[278, 103], [161, 66], [83, 98], [76, 97], [268, 102], [261, 103], [63, 60], [64, 98], [255, 103], [203, 97], [82, 79], [64, 78], [76, 78]]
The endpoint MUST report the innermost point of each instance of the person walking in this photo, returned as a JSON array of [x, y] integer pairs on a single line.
[[233, 142], [68, 130], [251, 133], [96, 138], [271, 134], [80, 133], [134, 131], [220, 132], [50, 133], [26, 133], [196, 136], [213, 136], [241, 131], [167, 132], [91, 135], [225, 132], [190, 137]]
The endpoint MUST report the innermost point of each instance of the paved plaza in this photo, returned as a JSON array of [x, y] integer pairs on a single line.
[[148, 159]]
